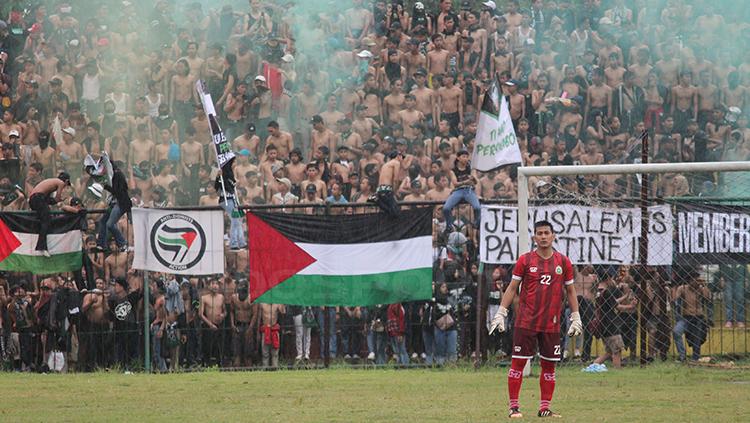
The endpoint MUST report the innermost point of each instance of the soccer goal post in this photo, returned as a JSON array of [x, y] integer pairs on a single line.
[[524, 173], [646, 230]]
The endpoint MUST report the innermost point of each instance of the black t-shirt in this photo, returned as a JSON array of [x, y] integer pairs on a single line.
[[123, 309], [609, 320], [462, 175]]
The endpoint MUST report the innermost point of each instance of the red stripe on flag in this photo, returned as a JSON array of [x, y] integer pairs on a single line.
[[273, 79], [8, 241], [273, 257]]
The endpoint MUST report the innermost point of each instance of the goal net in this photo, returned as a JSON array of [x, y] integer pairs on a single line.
[[660, 253]]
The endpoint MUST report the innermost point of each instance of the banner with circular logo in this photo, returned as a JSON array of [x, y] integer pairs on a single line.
[[179, 242]]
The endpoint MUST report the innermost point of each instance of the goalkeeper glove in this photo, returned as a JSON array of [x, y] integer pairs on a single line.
[[576, 326], [498, 321]]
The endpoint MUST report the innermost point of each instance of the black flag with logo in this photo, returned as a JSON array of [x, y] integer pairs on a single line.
[[222, 146]]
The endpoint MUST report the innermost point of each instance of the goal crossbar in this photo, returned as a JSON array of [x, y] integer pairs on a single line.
[[525, 172]]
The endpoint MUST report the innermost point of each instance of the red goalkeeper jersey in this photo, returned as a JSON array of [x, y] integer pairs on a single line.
[[542, 285]]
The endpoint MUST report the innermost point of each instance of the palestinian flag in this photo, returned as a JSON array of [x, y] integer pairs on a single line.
[[18, 236], [356, 260]]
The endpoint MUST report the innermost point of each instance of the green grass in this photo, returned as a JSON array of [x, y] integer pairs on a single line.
[[668, 393]]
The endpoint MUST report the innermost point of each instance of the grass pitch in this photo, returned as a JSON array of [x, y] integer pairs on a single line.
[[669, 393]]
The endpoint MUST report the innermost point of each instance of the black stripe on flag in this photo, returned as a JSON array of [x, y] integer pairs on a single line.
[[350, 229], [25, 222]]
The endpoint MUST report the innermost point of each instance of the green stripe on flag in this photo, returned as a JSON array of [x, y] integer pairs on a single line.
[[352, 290], [172, 241], [40, 265]]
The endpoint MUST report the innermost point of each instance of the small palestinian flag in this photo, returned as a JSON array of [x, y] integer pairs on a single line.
[[350, 260], [19, 233]]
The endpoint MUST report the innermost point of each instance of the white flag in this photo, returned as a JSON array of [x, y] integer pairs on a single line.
[[495, 144], [179, 242]]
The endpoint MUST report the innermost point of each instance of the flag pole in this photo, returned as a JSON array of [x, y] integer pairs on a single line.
[[216, 132], [478, 334], [146, 324]]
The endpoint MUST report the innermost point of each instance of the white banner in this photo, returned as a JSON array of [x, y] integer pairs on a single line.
[[495, 144], [588, 235], [179, 242]]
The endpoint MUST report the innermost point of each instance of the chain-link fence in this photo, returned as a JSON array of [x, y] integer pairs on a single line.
[[667, 309], [680, 295]]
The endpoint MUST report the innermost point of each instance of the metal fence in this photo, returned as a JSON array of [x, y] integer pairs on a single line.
[[640, 308]]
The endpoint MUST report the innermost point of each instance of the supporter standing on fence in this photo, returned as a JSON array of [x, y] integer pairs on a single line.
[[40, 200], [119, 205], [544, 276], [464, 190]]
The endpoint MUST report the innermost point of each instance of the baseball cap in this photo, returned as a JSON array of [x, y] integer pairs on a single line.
[[276, 167], [311, 188], [316, 119], [260, 78], [288, 58], [365, 54], [70, 131], [420, 72], [286, 182], [511, 82], [55, 81], [491, 4], [14, 133]]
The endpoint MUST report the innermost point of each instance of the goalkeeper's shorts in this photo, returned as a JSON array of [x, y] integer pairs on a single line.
[[526, 342]]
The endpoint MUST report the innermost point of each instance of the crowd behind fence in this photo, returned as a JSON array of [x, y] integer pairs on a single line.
[[59, 322]]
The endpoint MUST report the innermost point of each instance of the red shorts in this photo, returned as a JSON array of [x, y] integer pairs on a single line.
[[525, 343]]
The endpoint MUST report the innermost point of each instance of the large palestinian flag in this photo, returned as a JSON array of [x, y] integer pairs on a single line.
[[18, 236], [355, 260]]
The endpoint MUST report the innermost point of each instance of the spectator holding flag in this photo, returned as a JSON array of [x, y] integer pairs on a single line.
[[224, 185], [119, 204]]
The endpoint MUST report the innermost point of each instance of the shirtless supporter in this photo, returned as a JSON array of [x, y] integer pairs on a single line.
[[212, 313], [40, 200], [382, 115]]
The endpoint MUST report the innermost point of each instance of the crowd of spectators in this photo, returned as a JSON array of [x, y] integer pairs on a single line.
[[315, 97]]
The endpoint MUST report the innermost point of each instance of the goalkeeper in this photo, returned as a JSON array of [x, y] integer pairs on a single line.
[[543, 275]]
